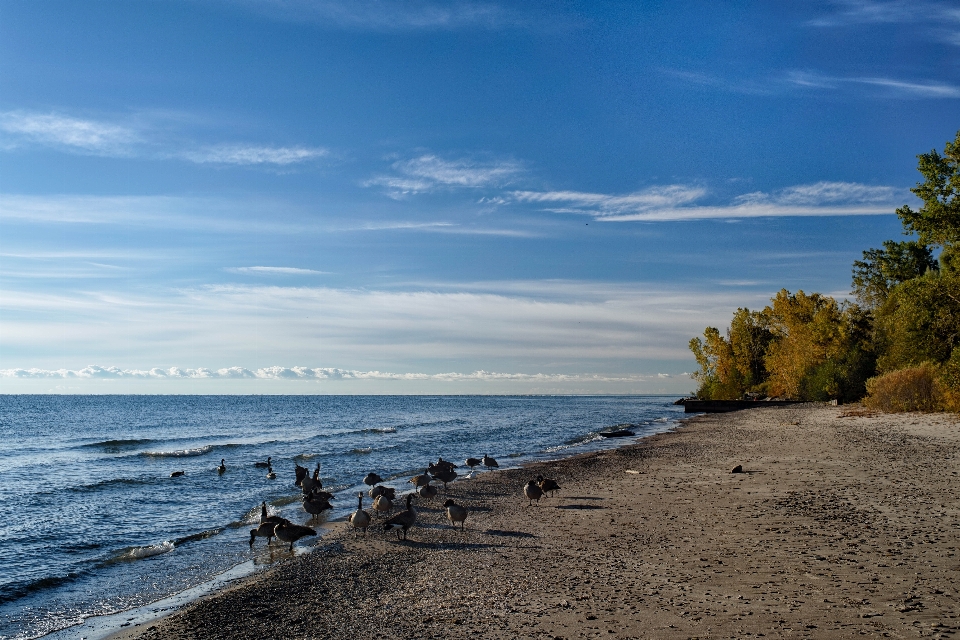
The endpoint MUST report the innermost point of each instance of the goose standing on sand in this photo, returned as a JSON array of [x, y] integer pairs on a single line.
[[403, 520], [360, 519], [427, 491], [176, 474], [382, 504], [455, 513], [444, 476], [533, 492], [547, 485], [372, 479], [289, 532], [420, 480], [489, 462], [223, 467], [263, 465], [473, 462]]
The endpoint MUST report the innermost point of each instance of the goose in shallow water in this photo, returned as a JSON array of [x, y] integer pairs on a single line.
[[455, 514], [265, 530], [289, 532], [427, 491], [265, 517], [360, 519], [270, 474], [223, 467], [263, 465], [533, 492], [547, 485], [308, 484], [489, 462], [403, 520], [473, 462], [372, 479], [300, 473], [176, 474], [316, 505]]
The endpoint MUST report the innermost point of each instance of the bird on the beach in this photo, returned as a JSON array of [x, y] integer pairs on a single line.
[[382, 504], [489, 462], [270, 474], [289, 532], [265, 530], [381, 490], [427, 491], [473, 462], [420, 480], [223, 467], [360, 519], [263, 465], [547, 485], [455, 513], [533, 492], [372, 479], [403, 520], [440, 465], [444, 476], [316, 505], [176, 474]]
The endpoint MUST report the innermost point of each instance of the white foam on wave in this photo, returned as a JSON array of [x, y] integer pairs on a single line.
[[138, 553], [180, 453]]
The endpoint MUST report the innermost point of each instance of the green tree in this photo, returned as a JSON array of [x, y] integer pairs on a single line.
[[718, 376], [749, 337], [882, 269], [938, 220]]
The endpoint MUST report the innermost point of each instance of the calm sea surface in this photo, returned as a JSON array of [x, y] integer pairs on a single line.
[[94, 524]]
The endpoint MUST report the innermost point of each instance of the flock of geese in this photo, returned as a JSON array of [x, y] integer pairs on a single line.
[[315, 500]]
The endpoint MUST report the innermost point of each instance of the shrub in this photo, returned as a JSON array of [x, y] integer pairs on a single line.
[[912, 389]]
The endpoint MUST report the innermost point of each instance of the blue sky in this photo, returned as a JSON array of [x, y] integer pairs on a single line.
[[329, 196]]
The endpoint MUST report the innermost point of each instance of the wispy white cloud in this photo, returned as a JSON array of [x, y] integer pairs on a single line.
[[252, 155], [390, 15], [137, 139], [430, 172], [676, 202], [890, 86], [853, 12], [68, 133], [294, 271]]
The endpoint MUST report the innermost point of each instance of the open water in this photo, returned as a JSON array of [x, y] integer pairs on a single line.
[[94, 524]]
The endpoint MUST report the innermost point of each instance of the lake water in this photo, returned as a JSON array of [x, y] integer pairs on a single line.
[[94, 524]]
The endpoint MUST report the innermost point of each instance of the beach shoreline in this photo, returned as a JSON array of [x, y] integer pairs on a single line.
[[843, 523]]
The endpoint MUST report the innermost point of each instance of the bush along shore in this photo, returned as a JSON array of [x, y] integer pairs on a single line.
[[897, 347]]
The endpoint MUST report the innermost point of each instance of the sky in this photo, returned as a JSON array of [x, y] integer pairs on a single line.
[[457, 197]]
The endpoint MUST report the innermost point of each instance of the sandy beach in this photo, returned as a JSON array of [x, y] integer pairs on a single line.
[[844, 523]]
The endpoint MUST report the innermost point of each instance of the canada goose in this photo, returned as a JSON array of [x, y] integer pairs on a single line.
[[289, 532], [176, 474], [404, 519], [455, 514], [270, 474], [317, 494], [427, 491], [420, 480], [381, 490], [489, 462], [223, 467], [360, 519], [263, 465], [265, 518], [308, 484], [440, 466], [300, 472], [265, 530], [473, 462], [372, 479], [547, 485], [383, 504], [315, 506], [444, 476], [533, 492]]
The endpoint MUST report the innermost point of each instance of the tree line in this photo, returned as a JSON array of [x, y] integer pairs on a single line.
[[899, 339]]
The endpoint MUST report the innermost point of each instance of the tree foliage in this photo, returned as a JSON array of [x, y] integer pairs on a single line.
[[882, 269], [938, 220]]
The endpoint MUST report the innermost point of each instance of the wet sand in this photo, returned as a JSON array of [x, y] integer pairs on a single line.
[[843, 524]]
